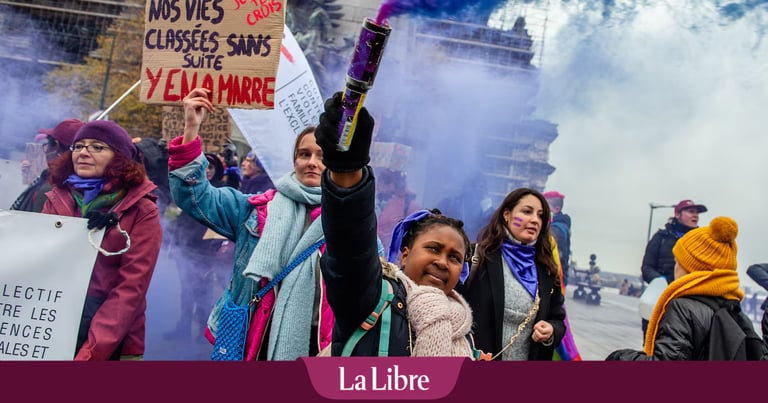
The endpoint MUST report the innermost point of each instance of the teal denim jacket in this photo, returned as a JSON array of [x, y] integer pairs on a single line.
[[226, 211]]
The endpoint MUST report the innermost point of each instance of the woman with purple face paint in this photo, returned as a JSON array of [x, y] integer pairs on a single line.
[[513, 287]]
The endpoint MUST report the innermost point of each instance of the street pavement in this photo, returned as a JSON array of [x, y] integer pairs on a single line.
[[600, 329]]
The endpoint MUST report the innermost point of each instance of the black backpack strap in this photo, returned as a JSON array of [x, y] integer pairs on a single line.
[[732, 344]]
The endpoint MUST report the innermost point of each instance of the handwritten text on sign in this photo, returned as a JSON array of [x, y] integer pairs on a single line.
[[214, 131], [231, 47]]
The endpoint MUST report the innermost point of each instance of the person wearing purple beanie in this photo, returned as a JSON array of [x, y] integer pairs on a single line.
[[100, 179]]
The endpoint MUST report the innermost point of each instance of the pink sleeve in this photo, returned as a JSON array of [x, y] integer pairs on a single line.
[[182, 154]]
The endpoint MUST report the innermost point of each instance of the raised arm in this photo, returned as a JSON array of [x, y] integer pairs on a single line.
[[196, 104], [350, 264]]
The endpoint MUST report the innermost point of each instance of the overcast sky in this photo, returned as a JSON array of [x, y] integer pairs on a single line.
[[669, 104]]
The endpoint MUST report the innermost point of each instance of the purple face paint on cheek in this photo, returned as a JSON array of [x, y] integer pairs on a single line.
[[517, 221]]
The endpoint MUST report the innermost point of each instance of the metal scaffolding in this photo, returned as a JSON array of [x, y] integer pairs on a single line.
[[55, 32]]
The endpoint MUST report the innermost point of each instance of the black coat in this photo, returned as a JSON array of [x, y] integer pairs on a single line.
[[658, 259], [683, 333], [352, 270], [764, 329], [485, 295], [759, 273]]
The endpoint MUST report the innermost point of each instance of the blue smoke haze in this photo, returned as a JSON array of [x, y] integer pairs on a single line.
[[26, 106]]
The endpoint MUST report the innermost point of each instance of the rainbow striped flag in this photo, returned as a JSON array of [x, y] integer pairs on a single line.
[[567, 350]]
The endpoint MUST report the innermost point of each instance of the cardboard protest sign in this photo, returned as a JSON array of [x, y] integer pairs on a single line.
[[298, 104], [214, 131], [46, 268], [231, 47]]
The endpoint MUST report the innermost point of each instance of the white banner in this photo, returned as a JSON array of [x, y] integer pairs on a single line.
[[45, 269], [298, 104]]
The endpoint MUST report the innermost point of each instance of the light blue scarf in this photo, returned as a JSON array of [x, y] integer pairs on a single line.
[[281, 241]]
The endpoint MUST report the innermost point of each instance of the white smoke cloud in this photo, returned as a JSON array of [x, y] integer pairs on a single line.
[[664, 106]]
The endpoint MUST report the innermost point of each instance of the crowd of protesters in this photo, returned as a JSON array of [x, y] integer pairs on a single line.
[[354, 234]]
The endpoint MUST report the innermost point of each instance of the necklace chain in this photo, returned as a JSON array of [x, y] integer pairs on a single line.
[[521, 326]]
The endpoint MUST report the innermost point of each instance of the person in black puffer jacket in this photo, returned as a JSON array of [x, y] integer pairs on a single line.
[[658, 259]]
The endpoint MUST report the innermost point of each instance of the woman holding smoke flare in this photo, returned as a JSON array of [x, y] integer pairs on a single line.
[[428, 318]]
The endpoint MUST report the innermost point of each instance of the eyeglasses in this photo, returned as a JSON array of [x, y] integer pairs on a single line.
[[92, 148]]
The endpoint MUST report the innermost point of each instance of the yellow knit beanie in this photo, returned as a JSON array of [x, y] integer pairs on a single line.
[[708, 248]]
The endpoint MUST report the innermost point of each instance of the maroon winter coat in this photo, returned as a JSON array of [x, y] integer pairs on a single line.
[[122, 281]]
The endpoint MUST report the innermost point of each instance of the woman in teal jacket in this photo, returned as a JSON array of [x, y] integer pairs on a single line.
[[293, 319]]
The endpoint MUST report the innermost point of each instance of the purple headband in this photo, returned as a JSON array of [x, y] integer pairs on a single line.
[[399, 232]]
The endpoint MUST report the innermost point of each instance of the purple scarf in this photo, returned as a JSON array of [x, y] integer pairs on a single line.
[[90, 187], [399, 232], [520, 259]]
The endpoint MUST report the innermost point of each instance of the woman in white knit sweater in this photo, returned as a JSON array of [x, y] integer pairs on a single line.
[[428, 318]]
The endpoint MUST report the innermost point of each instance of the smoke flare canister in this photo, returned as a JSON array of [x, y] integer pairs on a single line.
[[360, 76]]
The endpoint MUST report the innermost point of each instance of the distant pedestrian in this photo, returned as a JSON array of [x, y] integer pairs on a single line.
[[624, 287], [472, 204], [560, 228], [658, 260]]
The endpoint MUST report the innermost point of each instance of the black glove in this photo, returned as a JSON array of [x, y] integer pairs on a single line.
[[327, 137], [100, 220]]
